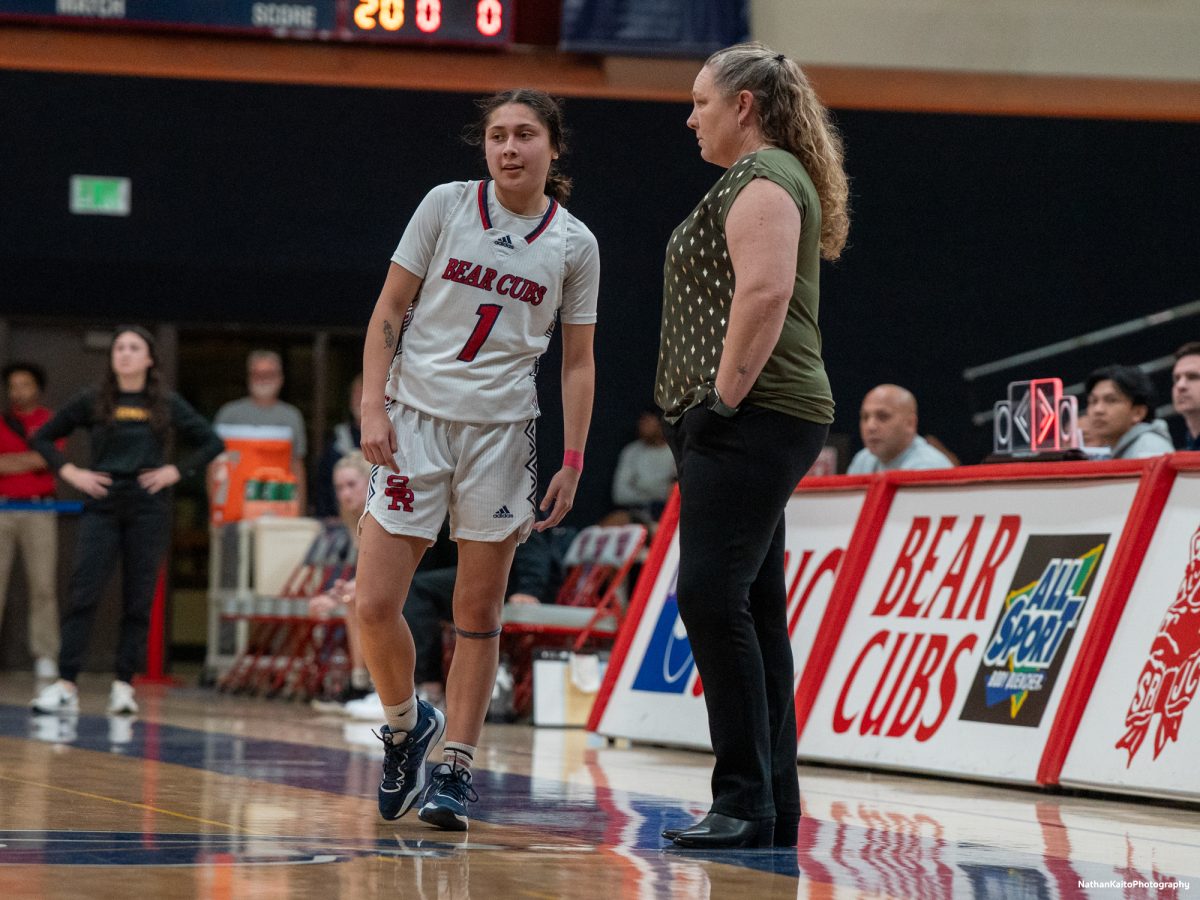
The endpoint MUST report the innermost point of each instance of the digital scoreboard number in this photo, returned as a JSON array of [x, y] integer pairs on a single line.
[[429, 22], [454, 21]]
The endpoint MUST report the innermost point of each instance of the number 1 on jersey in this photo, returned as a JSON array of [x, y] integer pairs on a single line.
[[488, 313]]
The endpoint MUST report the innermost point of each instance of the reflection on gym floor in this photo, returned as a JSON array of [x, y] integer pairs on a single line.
[[213, 796]]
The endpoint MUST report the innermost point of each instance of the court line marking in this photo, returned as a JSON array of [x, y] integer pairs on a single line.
[[142, 806]]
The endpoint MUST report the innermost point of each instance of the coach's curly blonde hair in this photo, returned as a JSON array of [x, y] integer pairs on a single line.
[[791, 117]]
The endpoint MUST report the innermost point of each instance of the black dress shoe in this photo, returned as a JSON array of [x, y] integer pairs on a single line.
[[784, 833], [716, 830]]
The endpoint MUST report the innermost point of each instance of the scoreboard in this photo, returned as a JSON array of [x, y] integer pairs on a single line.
[[429, 22]]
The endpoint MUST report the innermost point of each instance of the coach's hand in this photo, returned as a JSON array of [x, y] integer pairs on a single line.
[[560, 497], [155, 480], [94, 484], [378, 442]]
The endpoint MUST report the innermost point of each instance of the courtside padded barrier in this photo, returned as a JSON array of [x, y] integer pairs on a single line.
[[1032, 623], [655, 692]]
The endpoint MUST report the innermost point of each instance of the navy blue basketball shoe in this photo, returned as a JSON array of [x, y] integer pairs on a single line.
[[404, 761], [449, 793]]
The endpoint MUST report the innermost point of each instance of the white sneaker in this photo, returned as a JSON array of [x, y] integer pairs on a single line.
[[45, 669], [120, 700], [369, 708], [58, 697]]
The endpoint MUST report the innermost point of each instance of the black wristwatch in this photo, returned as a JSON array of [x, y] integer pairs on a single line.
[[714, 403]]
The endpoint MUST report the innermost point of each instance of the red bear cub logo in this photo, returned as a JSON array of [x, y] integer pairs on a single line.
[[1172, 673]]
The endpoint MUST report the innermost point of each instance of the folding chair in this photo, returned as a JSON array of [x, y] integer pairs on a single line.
[[282, 635], [588, 610]]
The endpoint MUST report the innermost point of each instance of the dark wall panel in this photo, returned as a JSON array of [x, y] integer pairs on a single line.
[[971, 237]]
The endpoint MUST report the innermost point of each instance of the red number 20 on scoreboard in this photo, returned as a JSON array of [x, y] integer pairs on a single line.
[[389, 15]]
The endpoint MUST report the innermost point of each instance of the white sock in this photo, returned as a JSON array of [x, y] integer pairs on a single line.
[[458, 756], [403, 716]]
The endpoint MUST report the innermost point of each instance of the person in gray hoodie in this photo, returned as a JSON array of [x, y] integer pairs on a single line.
[[1120, 410]]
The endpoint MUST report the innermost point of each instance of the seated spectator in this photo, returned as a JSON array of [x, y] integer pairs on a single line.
[[1089, 441], [345, 439], [1120, 413], [645, 475], [351, 478], [1185, 392], [887, 422]]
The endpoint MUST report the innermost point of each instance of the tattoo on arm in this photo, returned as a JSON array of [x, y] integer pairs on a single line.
[[389, 335], [743, 370]]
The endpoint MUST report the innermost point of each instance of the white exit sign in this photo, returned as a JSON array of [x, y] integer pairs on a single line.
[[99, 195]]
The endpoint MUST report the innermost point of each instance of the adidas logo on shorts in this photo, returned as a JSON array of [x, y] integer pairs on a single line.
[[502, 513], [504, 241]]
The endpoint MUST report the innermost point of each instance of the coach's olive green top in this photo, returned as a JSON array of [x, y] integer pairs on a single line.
[[698, 292]]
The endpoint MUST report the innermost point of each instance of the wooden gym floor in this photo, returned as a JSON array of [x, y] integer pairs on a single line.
[[211, 796]]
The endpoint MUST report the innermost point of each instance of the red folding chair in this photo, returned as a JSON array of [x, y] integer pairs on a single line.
[[589, 608], [281, 639]]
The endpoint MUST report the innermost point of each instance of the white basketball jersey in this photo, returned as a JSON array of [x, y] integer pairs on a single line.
[[493, 285]]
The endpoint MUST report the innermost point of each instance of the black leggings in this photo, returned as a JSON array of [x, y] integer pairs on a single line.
[[735, 478], [134, 527]]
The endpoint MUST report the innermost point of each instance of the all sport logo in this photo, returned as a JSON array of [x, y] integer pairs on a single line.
[[1025, 652], [1170, 677]]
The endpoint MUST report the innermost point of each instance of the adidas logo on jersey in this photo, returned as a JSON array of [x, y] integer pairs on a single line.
[[502, 513], [504, 241]]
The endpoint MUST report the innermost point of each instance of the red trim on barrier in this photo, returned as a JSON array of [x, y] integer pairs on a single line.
[[156, 637], [835, 483], [854, 568], [1140, 526], [1031, 471], [641, 596]]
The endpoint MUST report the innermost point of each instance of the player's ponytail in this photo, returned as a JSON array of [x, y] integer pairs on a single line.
[[558, 185], [549, 113]]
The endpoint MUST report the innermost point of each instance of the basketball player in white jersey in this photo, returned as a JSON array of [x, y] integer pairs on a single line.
[[449, 404]]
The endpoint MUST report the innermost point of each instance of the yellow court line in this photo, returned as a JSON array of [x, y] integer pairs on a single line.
[[165, 812]]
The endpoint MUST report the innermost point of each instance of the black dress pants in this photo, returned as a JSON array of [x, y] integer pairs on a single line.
[[134, 527], [735, 478], [430, 602]]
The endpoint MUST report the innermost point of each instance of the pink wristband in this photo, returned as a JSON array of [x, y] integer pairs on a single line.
[[573, 459]]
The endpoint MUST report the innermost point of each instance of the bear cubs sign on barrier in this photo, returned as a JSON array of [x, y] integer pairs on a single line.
[[966, 621], [652, 692]]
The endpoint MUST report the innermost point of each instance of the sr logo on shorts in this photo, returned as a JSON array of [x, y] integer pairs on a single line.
[[399, 493]]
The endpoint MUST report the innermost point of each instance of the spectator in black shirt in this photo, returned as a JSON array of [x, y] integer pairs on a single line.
[[130, 417]]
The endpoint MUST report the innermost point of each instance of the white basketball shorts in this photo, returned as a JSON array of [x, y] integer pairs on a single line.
[[483, 475]]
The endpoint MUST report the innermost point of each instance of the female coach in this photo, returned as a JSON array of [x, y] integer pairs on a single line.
[[449, 405], [743, 387]]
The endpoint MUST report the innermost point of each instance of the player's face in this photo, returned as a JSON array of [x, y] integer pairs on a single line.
[[131, 355], [886, 428], [714, 118], [350, 486], [1111, 413], [23, 390], [518, 150], [1185, 385]]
